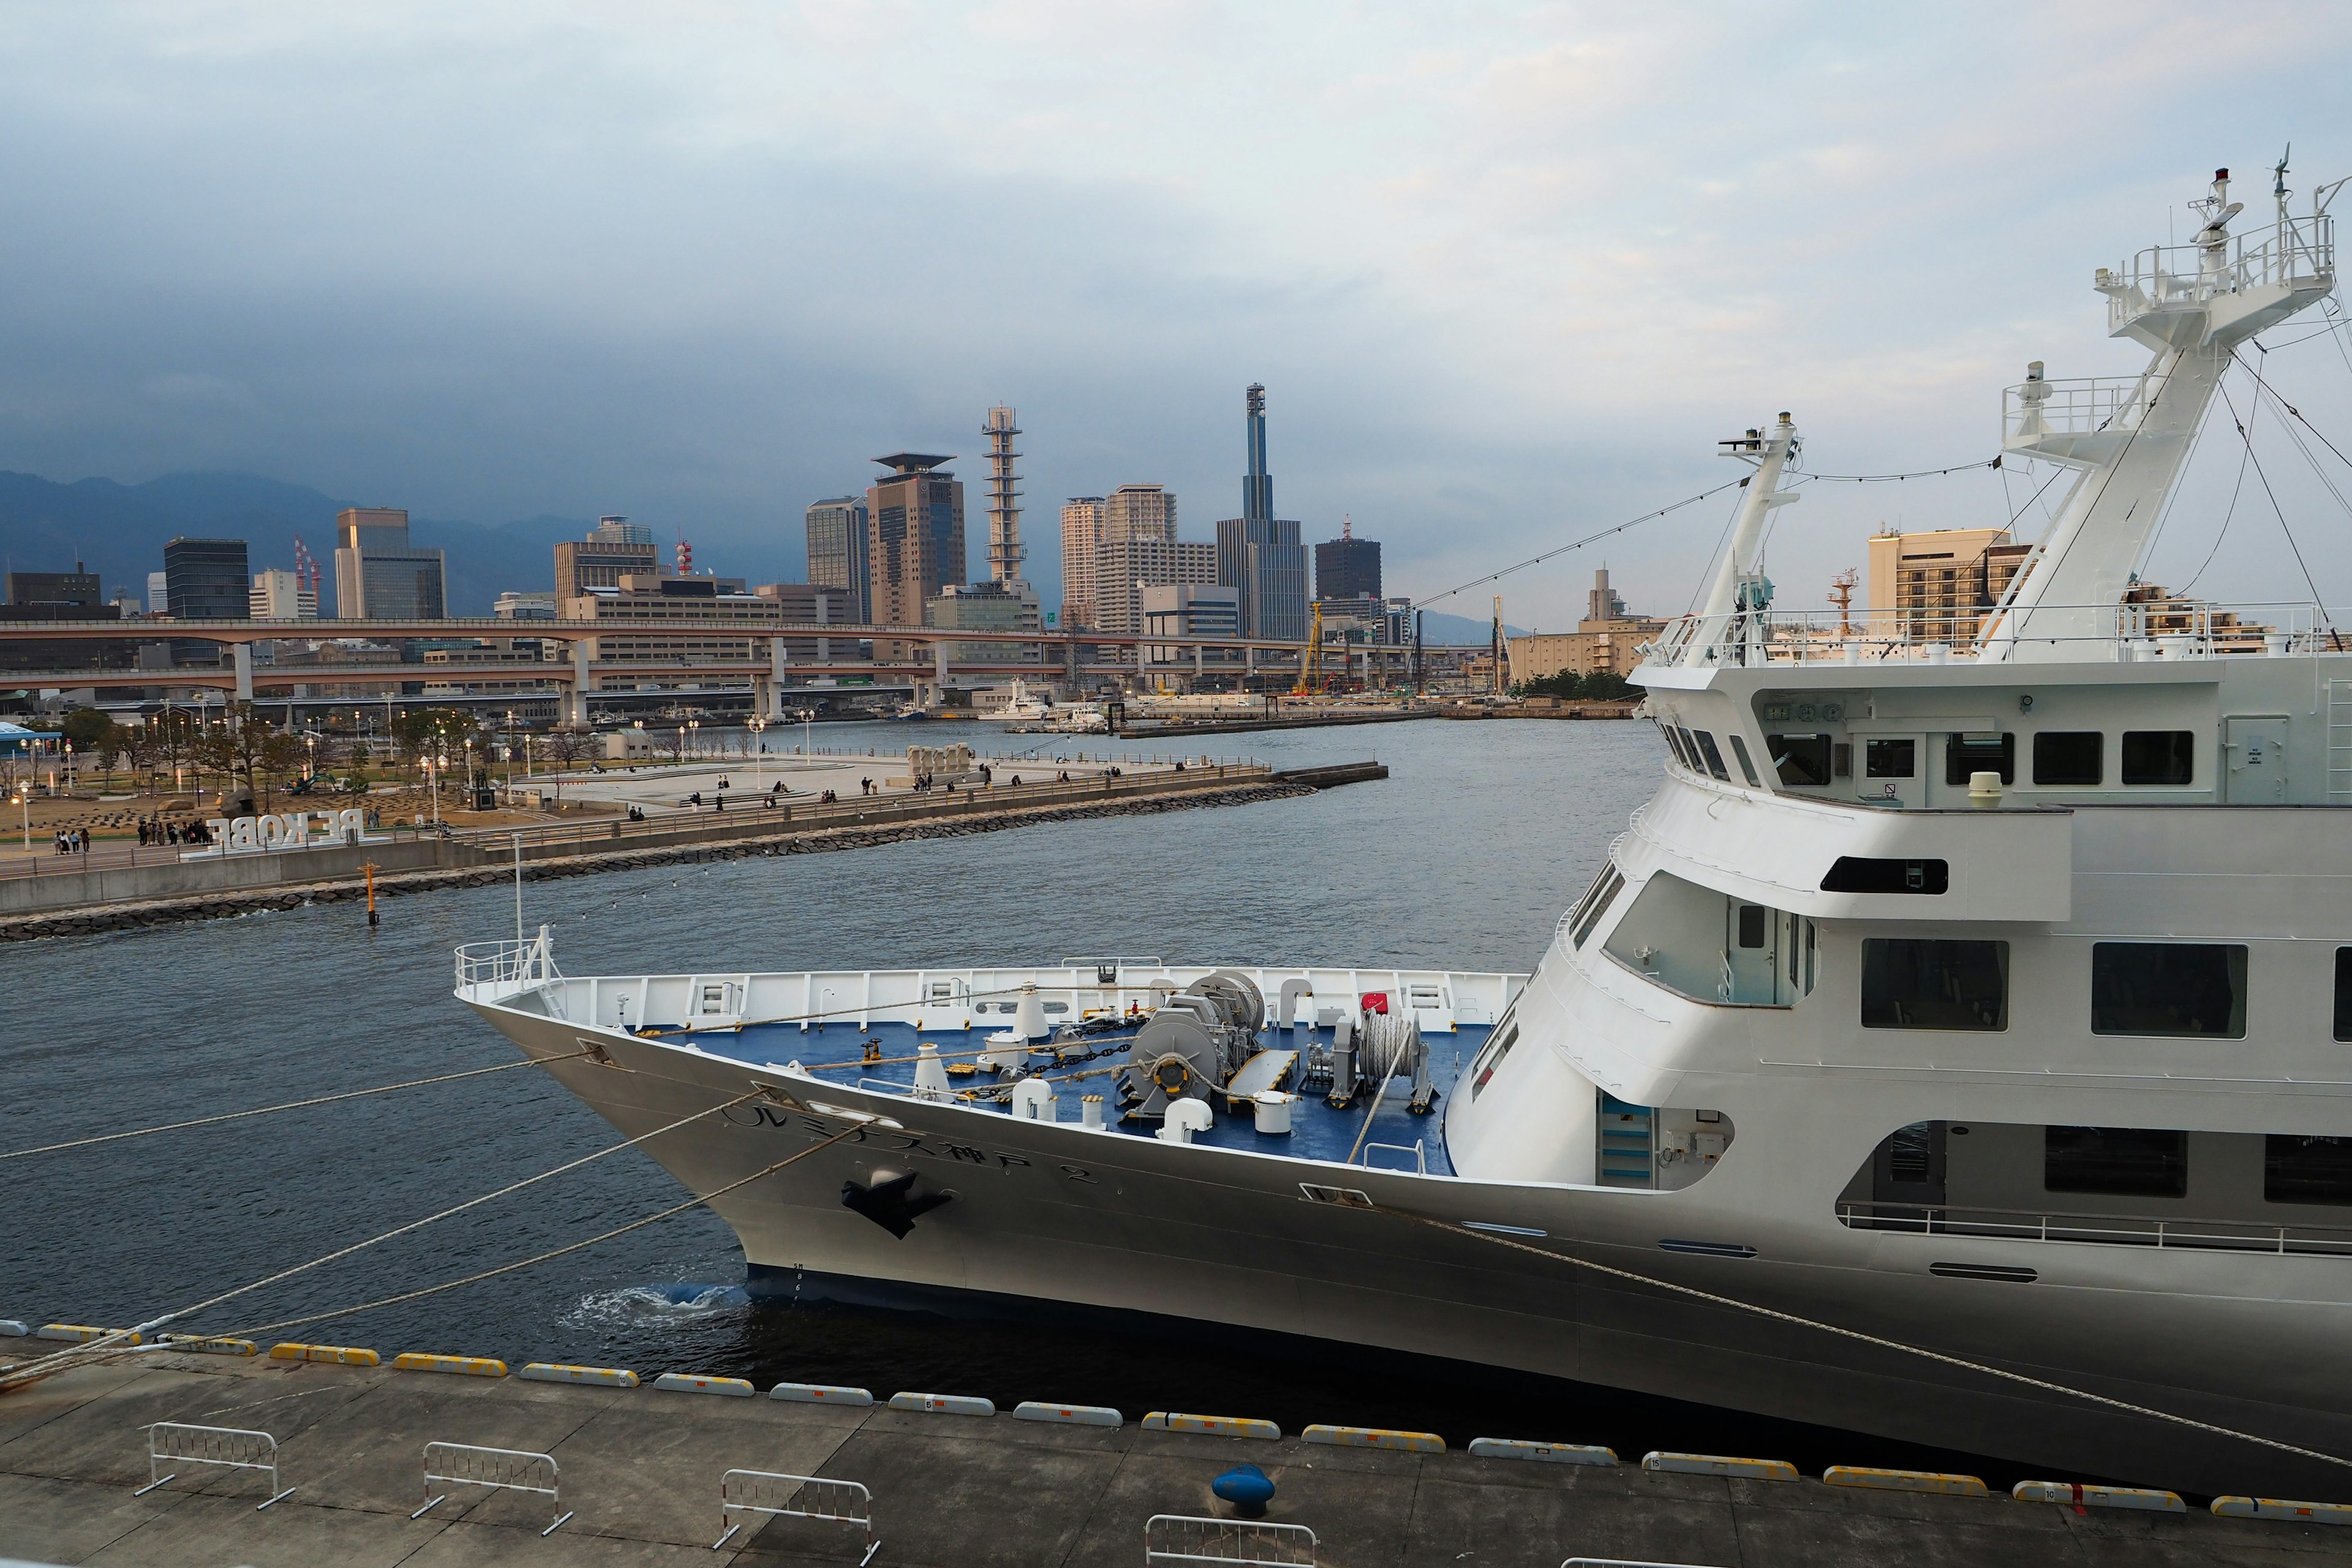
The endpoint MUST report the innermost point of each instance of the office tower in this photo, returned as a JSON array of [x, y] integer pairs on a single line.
[[278, 594], [1348, 567], [1259, 553], [914, 537], [1082, 519], [1005, 551], [205, 580], [988, 607], [76, 589], [836, 555], [158, 594], [379, 576], [1137, 548], [615, 548]]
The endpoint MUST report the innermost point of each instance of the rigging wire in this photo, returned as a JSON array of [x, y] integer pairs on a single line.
[[291, 1105], [1803, 477], [1588, 539], [42, 1366], [2318, 603], [2244, 457], [1858, 1334], [854, 1127], [2295, 413]]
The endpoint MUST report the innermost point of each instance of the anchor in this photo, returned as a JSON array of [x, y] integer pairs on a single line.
[[887, 1200]]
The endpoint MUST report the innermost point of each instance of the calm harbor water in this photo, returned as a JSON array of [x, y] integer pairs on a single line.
[[1464, 858]]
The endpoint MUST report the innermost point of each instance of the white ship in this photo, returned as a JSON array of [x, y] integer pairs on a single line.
[[1990, 997]]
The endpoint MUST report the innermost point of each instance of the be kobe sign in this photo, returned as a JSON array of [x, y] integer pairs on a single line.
[[286, 830]]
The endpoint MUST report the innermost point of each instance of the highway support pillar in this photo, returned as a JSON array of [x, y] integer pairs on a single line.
[[241, 655], [575, 702]]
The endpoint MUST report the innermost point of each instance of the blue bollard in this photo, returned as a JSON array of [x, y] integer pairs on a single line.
[[1246, 1488]]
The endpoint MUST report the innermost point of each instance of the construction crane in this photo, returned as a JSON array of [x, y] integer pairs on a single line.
[[1310, 663]]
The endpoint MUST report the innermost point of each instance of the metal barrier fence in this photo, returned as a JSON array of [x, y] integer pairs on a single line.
[[228, 1447], [1180, 1538], [780, 1496], [1622, 1563], [493, 1469]]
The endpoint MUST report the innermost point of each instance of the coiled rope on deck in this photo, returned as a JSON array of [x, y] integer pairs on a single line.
[[295, 1104], [1856, 1335], [117, 1338]]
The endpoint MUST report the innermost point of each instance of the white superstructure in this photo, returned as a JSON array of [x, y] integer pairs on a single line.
[[1992, 999]]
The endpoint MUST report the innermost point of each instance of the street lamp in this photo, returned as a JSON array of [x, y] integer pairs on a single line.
[[25, 798], [760, 750], [694, 737]]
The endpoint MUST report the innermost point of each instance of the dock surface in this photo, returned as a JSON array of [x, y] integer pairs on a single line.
[[640, 1469]]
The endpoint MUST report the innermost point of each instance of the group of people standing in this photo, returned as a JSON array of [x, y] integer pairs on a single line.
[[156, 830]]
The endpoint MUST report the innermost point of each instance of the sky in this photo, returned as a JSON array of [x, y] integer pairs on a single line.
[[1508, 272]]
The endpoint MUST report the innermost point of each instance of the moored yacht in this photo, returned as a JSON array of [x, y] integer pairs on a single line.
[[1980, 988]]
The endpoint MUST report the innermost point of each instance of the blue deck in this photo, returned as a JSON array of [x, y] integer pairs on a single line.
[[1318, 1132]]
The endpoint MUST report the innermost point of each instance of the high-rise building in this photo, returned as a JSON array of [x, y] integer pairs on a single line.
[[278, 594], [988, 607], [75, 588], [1939, 586], [206, 580], [614, 549], [1189, 610], [836, 555], [1348, 567], [1601, 603], [914, 539], [379, 576], [158, 594], [1135, 548], [1082, 519], [1259, 553]]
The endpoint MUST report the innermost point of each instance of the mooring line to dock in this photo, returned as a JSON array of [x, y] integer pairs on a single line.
[[1856, 1335], [291, 1105], [113, 1341], [509, 1267]]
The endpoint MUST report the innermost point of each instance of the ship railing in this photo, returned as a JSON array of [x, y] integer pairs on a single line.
[[2140, 632], [2034, 409], [2166, 1232], [2299, 251], [503, 968]]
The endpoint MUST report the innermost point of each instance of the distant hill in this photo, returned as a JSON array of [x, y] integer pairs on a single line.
[[1460, 631], [119, 532]]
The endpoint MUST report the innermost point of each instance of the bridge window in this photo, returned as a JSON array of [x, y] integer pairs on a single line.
[[1910, 983], [1890, 757], [1596, 901], [2297, 1170], [1739, 750], [2071, 757], [1714, 756], [2159, 757], [1801, 761], [1966, 755], [2344, 993], [2167, 988], [2143, 1161], [1863, 874]]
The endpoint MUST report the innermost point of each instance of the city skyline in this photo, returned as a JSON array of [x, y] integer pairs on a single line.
[[1462, 243]]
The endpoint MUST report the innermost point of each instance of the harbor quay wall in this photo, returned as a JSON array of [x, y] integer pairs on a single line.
[[477, 864], [636, 1474], [214, 874]]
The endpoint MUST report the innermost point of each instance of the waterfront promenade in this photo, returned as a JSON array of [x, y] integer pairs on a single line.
[[639, 1471]]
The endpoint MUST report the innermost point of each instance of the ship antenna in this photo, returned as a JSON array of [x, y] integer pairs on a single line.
[[2278, 181]]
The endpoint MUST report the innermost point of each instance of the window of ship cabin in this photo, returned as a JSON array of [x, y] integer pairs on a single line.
[[1867, 874], [1801, 759], [2344, 993], [1714, 756], [2137, 1162], [1890, 757], [1595, 903], [1966, 755], [2159, 757], [1690, 751], [1674, 741], [1739, 752], [1913, 983], [2168, 988], [2071, 757], [1507, 1034], [2297, 1170]]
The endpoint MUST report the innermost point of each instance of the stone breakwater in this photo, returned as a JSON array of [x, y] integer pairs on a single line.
[[806, 841]]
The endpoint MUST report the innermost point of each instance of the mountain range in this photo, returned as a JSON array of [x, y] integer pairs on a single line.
[[119, 531]]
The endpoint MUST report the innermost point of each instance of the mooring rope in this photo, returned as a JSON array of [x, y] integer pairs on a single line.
[[293, 1105], [558, 1252], [42, 1366], [1858, 1335]]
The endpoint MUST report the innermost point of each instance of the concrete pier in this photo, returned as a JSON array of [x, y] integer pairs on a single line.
[[640, 1469]]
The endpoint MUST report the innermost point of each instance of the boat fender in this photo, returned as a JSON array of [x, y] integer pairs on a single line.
[[1247, 1487]]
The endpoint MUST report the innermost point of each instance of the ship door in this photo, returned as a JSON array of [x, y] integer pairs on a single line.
[[1750, 953], [1908, 1170], [2257, 749], [1891, 769]]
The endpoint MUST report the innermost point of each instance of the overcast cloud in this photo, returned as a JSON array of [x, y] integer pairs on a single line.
[[1508, 272]]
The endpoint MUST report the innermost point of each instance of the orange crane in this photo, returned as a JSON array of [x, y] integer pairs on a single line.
[[1310, 663]]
